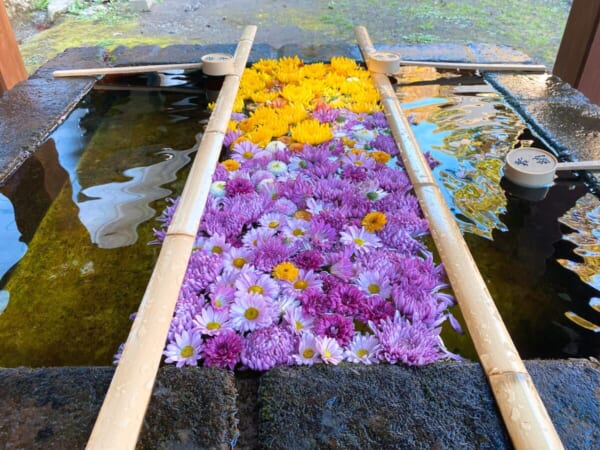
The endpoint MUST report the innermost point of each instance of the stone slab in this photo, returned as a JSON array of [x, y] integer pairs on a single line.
[[445, 405], [561, 116], [56, 408]]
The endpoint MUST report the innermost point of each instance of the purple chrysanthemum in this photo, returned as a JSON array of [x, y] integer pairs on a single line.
[[309, 260], [203, 269], [267, 348], [412, 344], [223, 350], [347, 298], [385, 143], [238, 185], [313, 301], [335, 326], [270, 252]]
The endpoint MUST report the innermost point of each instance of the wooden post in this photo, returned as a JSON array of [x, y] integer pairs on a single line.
[[578, 58], [12, 69]]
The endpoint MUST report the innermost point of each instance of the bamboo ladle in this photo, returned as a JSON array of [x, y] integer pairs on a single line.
[[532, 167]]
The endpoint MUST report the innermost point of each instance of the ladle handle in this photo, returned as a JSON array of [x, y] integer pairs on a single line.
[[579, 165]]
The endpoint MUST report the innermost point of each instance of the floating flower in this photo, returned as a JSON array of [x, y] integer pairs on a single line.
[[363, 349], [308, 350], [217, 189], [251, 312], [359, 239], [211, 321], [335, 326], [410, 343], [266, 348], [297, 320], [185, 350], [231, 165], [374, 283], [374, 221], [329, 350], [223, 350], [253, 282], [285, 271], [311, 131]]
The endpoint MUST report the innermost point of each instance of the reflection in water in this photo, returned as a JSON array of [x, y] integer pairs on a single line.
[[468, 129], [10, 236], [114, 158], [584, 219], [515, 240], [111, 212]]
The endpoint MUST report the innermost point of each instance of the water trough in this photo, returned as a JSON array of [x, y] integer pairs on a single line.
[[24, 140]]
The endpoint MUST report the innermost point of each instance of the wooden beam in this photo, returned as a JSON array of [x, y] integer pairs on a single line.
[[12, 69], [589, 82], [578, 58]]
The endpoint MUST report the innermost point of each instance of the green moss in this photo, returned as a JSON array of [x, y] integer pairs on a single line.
[[69, 299]]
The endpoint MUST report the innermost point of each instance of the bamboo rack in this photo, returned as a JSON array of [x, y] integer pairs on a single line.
[[123, 70], [522, 410], [499, 67], [122, 413]]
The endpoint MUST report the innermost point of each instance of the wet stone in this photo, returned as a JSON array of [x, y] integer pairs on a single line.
[[321, 52], [30, 111], [492, 53], [72, 58], [433, 52], [56, 408], [445, 405], [558, 114]]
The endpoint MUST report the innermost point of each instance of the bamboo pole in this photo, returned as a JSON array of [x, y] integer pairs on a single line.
[[123, 70], [524, 414], [500, 67], [120, 419]]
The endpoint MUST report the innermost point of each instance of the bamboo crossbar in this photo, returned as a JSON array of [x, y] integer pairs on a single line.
[[522, 410], [122, 413], [124, 70], [484, 67]]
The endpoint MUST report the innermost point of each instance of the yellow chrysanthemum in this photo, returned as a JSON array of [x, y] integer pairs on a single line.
[[260, 136], [342, 65], [293, 112], [301, 94], [374, 221], [286, 271], [311, 131], [231, 165], [380, 157]]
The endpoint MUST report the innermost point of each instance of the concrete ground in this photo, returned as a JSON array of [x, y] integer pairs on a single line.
[[533, 26]]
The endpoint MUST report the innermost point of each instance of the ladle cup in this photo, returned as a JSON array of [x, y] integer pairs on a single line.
[[535, 168]]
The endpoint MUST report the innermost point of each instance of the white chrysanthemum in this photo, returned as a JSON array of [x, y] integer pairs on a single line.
[[217, 189], [329, 349], [275, 146], [277, 168], [184, 350], [211, 321], [308, 353], [251, 312], [298, 321], [373, 283], [363, 349]]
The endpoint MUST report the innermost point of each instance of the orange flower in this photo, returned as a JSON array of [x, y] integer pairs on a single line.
[[286, 271], [380, 157], [374, 221], [231, 165]]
